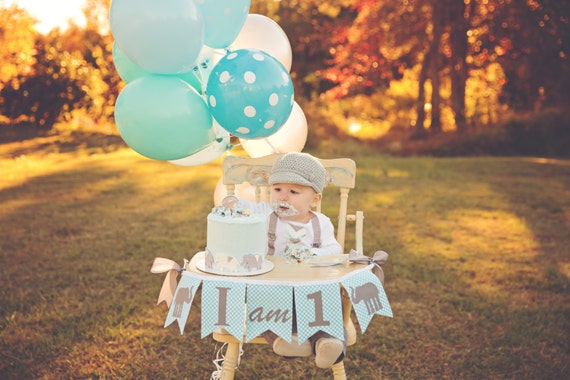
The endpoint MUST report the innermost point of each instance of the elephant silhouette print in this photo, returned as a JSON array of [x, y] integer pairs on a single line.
[[369, 294], [183, 295]]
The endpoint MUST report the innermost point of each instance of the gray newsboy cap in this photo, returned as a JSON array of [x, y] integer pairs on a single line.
[[299, 168]]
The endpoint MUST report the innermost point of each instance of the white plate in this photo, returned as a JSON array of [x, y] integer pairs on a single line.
[[266, 266]]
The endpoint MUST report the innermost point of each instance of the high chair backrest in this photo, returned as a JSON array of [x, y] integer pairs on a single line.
[[341, 172]]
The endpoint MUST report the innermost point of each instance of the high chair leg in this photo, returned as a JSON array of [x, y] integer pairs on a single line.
[[338, 371], [230, 361]]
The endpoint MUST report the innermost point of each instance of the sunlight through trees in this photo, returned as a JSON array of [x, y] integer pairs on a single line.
[[428, 66]]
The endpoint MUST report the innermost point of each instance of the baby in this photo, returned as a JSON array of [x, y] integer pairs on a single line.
[[296, 231]]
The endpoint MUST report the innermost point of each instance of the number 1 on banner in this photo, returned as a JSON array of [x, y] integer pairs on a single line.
[[317, 297], [318, 309]]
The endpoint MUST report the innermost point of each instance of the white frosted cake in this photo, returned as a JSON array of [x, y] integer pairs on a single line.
[[236, 242]]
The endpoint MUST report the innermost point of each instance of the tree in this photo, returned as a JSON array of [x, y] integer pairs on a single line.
[[531, 41], [458, 23], [56, 84], [68, 70], [312, 27], [17, 37], [382, 40], [455, 40], [435, 67]]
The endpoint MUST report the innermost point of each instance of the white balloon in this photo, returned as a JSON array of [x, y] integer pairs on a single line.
[[208, 154], [243, 190], [290, 138], [206, 61], [261, 32], [214, 150]]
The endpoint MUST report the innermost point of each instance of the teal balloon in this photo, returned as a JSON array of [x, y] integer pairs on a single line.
[[223, 20], [160, 37], [163, 118], [250, 94], [129, 71], [191, 78]]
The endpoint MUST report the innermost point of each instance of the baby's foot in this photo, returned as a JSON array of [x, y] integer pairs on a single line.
[[328, 351], [293, 349]]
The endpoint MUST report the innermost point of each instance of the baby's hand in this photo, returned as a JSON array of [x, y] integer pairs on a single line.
[[298, 252]]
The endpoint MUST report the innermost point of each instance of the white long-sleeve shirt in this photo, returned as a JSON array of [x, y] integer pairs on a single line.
[[304, 231]]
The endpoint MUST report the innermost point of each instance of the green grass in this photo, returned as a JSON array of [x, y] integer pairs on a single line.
[[477, 276]]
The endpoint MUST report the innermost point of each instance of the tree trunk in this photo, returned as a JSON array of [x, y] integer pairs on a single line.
[[458, 36], [420, 131], [435, 126]]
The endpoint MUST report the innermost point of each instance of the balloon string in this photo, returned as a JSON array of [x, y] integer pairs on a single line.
[[219, 361], [201, 76], [203, 84], [275, 150]]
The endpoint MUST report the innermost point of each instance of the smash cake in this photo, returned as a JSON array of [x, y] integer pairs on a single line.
[[236, 242]]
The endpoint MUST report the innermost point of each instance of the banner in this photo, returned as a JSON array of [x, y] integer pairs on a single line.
[[269, 308], [367, 296], [182, 302], [318, 309], [270, 304], [223, 306]]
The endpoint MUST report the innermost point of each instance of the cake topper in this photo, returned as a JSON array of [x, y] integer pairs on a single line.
[[231, 202], [231, 206]]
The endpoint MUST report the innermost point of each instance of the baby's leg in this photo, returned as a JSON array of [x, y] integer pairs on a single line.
[[328, 349], [283, 348]]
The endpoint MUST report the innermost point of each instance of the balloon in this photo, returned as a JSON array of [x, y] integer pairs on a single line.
[[250, 94], [223, 20], [129, 71], [214, 150], [159, 38], [290, 138], [207, 59], [243, 190], [261, 32], [163, 118]]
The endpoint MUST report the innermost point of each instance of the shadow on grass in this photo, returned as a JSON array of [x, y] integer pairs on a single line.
[[474, 275], [76, 250], [475, 272], [19, 132], [23, 140]]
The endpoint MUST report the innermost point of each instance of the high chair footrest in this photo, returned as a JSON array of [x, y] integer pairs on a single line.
[[221, 335]]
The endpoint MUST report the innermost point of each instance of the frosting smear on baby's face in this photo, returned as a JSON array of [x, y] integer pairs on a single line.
[[293, 202], [284, 209]]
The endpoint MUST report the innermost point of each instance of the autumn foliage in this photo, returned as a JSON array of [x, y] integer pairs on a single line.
[[428, 66]]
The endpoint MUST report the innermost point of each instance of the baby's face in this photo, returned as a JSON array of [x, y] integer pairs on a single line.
[[293, 202]]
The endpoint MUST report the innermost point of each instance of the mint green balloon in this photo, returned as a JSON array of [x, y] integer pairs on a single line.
[[163, 118], [163, 37], [129, 71], [223, 20]]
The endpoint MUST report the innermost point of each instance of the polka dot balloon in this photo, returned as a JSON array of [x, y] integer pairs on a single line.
[[250, 94]]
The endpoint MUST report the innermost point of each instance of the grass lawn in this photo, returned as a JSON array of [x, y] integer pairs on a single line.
[[477, 276]]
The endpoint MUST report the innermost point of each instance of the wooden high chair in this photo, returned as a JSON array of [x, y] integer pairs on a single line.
[[341, 173]]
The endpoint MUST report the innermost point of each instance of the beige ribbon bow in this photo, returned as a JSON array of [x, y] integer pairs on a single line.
[[172, 269], [380, 257]]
